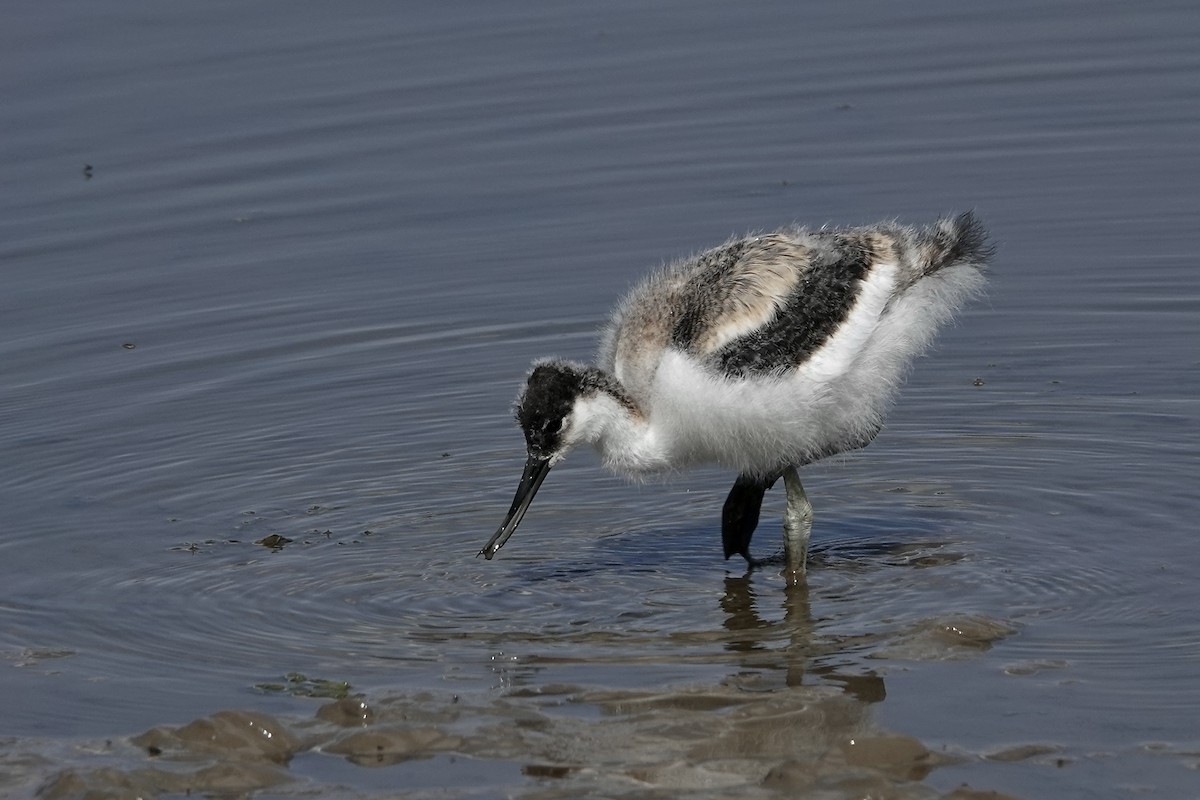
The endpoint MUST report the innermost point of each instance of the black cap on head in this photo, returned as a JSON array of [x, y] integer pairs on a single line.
[[544, 404]]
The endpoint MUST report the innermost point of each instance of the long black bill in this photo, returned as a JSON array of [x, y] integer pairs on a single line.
[[535, 472]]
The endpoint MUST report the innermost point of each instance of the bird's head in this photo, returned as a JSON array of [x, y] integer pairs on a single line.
[[556, 411], [546, 408]]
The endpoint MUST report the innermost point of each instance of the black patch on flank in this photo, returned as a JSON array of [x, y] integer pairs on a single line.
[[820, 302], [548, 397]]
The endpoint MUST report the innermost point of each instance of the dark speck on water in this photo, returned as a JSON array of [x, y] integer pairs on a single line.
[[443, 193], [274, 541]]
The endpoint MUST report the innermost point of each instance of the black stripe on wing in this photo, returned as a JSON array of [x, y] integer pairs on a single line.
[[820, 303]]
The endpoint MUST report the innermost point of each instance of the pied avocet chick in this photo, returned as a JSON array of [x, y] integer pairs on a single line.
[[764, 354]]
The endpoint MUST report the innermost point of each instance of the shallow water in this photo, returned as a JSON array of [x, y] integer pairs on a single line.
[[310, 257]]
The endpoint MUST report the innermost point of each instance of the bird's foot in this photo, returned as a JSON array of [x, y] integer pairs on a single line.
[[791, 575]]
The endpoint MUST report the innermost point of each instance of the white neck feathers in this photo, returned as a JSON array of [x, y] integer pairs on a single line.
[[622, 435]]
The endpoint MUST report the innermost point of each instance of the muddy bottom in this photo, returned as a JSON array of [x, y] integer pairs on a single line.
[[750, 735]]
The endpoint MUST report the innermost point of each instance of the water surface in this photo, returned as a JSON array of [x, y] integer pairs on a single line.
[[279, 268]]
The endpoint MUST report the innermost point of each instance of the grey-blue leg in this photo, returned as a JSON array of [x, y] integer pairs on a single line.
[[797, 526]]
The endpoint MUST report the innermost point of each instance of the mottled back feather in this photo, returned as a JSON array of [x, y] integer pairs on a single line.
[[765, 304], [824, 287]]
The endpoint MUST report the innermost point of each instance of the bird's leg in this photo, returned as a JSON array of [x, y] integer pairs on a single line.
[[797, 525], [739, 517]]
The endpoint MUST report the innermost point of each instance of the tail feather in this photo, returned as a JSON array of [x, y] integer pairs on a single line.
[[956, 240]]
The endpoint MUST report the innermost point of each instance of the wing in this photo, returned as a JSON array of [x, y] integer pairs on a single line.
[[701, 305], [734, 290], [755, 305], [797, 318]]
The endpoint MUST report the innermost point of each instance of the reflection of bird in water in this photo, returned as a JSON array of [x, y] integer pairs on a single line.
[[764, 354], [789, 646]]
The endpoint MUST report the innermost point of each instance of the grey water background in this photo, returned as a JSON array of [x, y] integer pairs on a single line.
[[336, 236]]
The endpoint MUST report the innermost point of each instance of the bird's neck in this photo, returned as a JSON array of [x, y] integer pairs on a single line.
[[617, 428]]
